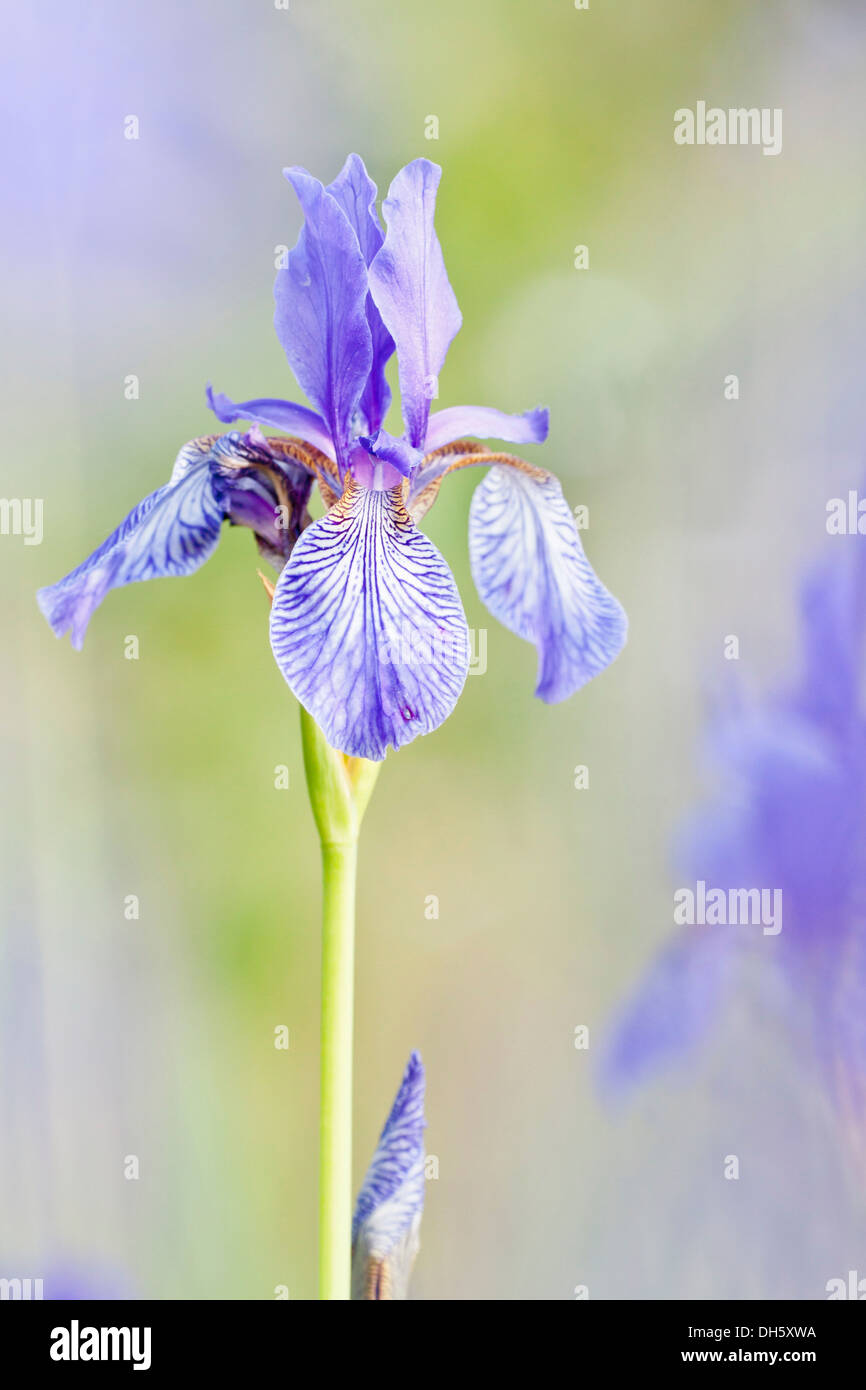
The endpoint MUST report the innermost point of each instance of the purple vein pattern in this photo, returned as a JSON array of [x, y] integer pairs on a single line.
[[385, 1229], [367, 626]]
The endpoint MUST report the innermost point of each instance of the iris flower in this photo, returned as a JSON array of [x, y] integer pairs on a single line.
[[388, 1211], [367, 625], [790, 812]]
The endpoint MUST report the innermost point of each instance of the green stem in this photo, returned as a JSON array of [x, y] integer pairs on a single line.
[[339, 788], [335, 1157]]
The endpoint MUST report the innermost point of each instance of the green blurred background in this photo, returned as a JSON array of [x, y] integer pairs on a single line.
[[155, 777]]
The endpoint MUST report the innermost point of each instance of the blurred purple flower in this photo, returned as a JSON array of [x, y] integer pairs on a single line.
[[385, 1229], [790, 811], [367, 625]]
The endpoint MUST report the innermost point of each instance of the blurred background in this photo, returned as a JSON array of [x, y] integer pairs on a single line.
[[154, 257]]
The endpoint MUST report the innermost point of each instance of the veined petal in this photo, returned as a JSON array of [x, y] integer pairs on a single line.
[[388, 1211], [355, 191], [171, 532], [367, 625], [530, 569], [320, 314], [410, 286], [279, 415], [486, 423]]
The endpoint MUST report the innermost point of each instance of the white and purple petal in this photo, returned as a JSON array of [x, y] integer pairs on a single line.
[[367, 626], [320, 314], [172, 532], [388, 1211], [278, 415], [411, 289], [355, 191], [484, 422], [531, 571]]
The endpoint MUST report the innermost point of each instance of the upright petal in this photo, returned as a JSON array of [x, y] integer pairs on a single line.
[[320, 316], [409, 283], [355, 191], [171, 532], [367, 625], [278, 415], [388, 1212], [486, 423], [530, 569]]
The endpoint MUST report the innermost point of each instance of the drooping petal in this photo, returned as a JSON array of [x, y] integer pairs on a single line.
[[355, 191], [367, 626], [671, 1010], [172, 532], [531, 571], [410, 286], [278, 415], [320, 315], [486, 423], [388, 1211]]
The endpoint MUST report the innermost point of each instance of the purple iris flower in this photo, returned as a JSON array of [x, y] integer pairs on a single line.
[[387, 1217], [790, 813], [367, 625]]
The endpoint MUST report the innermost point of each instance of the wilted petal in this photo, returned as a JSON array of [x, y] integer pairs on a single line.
[[278, 415], [171, 532], [388, 1212], [530, 569], [485, 423], [355, 191], [320, 315], [409, 283], [367, 626]]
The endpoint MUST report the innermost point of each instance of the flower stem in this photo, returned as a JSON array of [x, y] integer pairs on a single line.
[[339, 788], [335, 1158]]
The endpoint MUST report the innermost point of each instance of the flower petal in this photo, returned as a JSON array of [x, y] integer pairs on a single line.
[[320, 314], [367, 626], [265, 487], [279, 415], [355, 191], [171, 532], [486, 423], [671, 1009], [410, 286], [393, 450], [530, 569], [388, 1211]]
